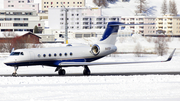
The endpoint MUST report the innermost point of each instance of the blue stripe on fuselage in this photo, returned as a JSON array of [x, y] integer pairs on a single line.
[[54, 63]]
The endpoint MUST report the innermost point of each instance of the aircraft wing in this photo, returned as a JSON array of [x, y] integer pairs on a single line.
[[111, 63]]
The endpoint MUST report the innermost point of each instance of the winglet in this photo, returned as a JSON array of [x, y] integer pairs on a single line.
[[171, 55]]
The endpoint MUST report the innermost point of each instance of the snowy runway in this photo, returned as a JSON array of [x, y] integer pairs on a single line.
[[114, 86], [100, 88]]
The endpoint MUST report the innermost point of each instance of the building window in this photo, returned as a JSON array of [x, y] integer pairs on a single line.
[[47, 3], [44, 2], [39, 24], [51, 3], [12, 5], [80, 2], [77, 2], [22, 1], [19, 1], [25, 18], [67, 2], [44, 6], [57, 2]]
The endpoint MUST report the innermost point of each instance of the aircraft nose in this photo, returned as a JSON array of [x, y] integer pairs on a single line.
[[8, 61]]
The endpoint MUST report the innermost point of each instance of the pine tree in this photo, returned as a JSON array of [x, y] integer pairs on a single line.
[[170, 6], [164, 7], [141, 7], [174, 8], [100, 3], [36, 29]]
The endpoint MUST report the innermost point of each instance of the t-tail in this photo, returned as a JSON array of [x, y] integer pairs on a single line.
[[110, 34]]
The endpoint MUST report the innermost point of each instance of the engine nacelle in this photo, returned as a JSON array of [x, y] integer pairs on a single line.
[[95, 50], [102, 49]]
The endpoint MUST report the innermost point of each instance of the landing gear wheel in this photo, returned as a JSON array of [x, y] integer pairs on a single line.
[[15, 71], [14, 74], [86, 71], [61, 72]]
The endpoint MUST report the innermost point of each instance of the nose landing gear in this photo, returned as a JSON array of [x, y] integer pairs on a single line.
[[15, 71]]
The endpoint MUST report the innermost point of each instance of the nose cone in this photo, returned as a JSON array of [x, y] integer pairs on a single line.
[[8, 61]]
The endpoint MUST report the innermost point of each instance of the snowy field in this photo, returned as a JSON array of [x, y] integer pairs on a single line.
[[153, 87]]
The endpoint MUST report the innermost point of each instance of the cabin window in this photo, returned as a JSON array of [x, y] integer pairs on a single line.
[[44, 55], [39, 55], [65, 54], [15, 53], [55, 54], [22, 53], [49, 55], [60, 54], [71, 53]]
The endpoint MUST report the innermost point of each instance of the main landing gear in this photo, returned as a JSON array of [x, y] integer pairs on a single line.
[[15, 71], [86, 71], [60, 71]]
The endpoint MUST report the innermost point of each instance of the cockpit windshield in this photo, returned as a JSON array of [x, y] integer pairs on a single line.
[[16, 53]]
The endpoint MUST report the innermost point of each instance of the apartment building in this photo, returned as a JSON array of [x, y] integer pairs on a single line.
[[176, 25], [57, 4], [21, 4], [140, 29], [79, 18], [19, 20], [165, 23]]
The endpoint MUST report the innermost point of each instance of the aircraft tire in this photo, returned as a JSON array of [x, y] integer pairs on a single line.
[[86, 72], [14, 74], [61, 72]]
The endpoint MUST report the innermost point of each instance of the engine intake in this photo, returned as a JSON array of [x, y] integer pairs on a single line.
[[95, 50]]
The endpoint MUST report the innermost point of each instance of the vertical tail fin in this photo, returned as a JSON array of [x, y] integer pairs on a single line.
[[110, 34]]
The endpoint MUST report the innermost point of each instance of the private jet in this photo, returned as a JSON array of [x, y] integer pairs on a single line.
[[71, 56]]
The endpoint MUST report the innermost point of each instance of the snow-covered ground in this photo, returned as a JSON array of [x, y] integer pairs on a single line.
[[95, 88], [98, 88]]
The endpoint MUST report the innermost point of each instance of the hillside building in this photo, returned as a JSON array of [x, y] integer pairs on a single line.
[[46, 4], [21, 4], [20, 20]]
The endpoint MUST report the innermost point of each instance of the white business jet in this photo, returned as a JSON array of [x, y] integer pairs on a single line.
[[71, 55]]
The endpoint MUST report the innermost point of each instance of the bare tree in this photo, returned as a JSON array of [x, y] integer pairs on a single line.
[[164, 7], [141, 7], [161, 46], [100, 3], [138, 50]]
